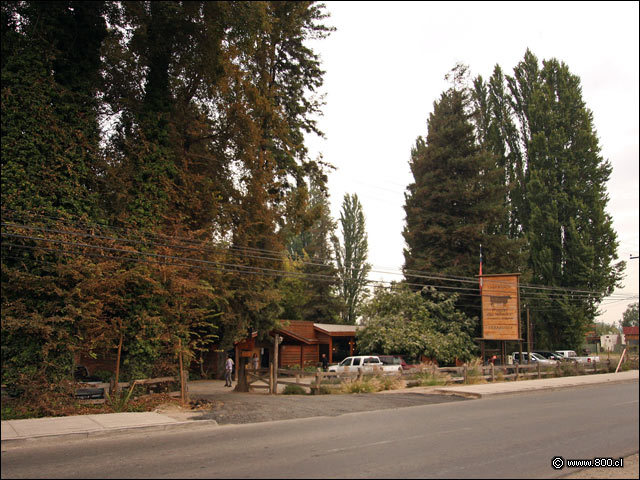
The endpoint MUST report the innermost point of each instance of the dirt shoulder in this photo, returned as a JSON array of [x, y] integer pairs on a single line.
[[238, 408]]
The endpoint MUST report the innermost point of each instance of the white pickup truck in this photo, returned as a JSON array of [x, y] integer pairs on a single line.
[[572, 356], [365, 364]]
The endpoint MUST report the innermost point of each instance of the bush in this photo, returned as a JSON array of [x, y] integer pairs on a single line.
[[390, 382], [428, 376], [372, 384], [294, 390], [359, 386], [569, 369], [324, 390], [474, 372]]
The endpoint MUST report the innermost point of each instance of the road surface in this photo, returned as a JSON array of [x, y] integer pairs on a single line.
[[512, 436]]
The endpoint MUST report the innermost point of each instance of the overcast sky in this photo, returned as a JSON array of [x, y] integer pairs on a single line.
[[385, 66]]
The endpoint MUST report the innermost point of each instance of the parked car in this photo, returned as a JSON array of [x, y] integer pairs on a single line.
[[549, 355], [572, 356], [395, 360], [365, 363], [535, 358]]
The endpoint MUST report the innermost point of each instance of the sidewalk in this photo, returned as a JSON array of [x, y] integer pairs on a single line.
[[524, 386], [19, 432]]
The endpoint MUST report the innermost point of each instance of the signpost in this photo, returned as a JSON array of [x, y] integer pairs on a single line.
[[501, 310]]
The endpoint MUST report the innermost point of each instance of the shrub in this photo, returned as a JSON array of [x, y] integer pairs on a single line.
[[294, 390], [324, 390], [474, 372], [428, 376], [390, 382], [366, 385], [569, 369]]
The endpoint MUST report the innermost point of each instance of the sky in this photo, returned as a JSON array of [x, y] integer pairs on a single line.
[[385, 66]]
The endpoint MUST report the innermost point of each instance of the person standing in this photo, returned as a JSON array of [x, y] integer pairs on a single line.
[[325, 362], [228, 370], [254, 361]]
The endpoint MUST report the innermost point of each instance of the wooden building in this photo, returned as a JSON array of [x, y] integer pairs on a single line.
[[302, 344]]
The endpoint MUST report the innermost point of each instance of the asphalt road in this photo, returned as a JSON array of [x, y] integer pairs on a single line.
[[502, 437]]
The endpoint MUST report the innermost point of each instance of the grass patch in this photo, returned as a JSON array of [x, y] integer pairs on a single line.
[[474, 372], [427, 376], [294, 390], [372, 384]]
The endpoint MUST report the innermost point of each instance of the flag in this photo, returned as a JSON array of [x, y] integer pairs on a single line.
[[480, 274]]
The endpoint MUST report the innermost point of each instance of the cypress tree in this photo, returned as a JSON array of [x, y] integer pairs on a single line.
[[559, 195], [455, 203], [351, 258]]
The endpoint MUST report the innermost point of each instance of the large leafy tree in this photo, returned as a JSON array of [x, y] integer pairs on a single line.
[[203, 106], [50, 167], [351, 257], [423, 323], [630, 316], [557, 189]]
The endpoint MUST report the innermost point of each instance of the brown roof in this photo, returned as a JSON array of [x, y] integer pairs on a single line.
[[332, 328], [630, 330]]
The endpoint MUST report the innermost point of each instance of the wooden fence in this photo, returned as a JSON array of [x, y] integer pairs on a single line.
[[312, 381], [151, 384]]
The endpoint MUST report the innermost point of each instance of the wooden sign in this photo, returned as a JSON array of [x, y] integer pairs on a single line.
[[500, 307]]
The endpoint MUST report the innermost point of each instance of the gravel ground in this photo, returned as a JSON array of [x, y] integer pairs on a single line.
[[251, 408]]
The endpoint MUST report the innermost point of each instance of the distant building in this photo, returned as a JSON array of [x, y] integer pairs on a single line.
[[608, 342], [631, 336]]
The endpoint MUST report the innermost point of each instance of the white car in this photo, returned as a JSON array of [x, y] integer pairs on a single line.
[[364, 363], [535, 358]]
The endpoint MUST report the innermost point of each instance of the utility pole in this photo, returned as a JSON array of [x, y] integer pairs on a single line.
[[528, 336]]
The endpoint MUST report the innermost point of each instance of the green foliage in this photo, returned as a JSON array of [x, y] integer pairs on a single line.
[[294, 390], [400, 321], [372, 384], [427, 377], [204, 106], [351, 257], [456, 202], [630, 316], [474, 372], [365, 385], [556, 177]]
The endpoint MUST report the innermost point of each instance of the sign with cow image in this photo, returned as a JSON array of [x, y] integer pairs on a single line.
[[500, 307]]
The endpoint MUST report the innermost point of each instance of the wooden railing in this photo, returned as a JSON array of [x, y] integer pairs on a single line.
[[461, 374]]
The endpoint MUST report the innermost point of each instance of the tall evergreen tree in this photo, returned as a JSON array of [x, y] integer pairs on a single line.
[[310, 246], [559, 194], [455, 203], [351, 257]]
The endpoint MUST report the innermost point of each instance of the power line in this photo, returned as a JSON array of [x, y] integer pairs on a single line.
[[274, 255]]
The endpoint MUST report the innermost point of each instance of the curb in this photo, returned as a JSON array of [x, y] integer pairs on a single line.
[[478, 395], [48, 439]]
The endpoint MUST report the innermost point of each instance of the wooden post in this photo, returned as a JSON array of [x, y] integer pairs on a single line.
[[493, 377], [182, 385], [464, 372], [271, 377], [517, 371], [276, 347], [621, 358], [316, 391], [528, 336]]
